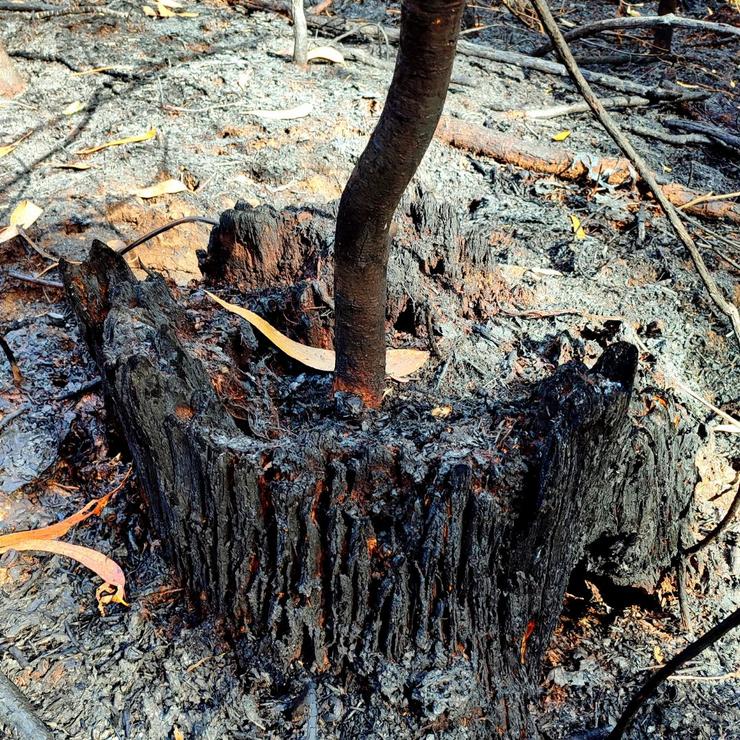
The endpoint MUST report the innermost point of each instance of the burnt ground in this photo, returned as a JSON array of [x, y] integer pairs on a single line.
[[155, 670]]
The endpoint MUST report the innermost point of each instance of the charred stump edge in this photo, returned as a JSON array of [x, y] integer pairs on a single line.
[[336, 549]]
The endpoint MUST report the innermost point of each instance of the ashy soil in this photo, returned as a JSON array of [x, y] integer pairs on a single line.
[[155, 670]]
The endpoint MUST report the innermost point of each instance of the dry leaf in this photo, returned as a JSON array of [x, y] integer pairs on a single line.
[[119, 142], [398, 363], [164, 11], [93, 71], [73, 108], [72, 165], [441, 412], [150, 12], [577, 228], [561, 135], [45, 539], [59, 529], [178, 733], [8, 148], [300, 111], [658, 654], [187, 15], [23, 215], [100, 564], [325, 54], [161, 188]]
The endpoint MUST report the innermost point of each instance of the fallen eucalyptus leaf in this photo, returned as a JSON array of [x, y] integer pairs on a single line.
[[8, 148], [72, 165], [150, 134], [163, 11], [23, 215], [58, 529], [161, 188], [300, 111], [578, 231], [325, 54], [98, 563], [73, 108], [398, 362]]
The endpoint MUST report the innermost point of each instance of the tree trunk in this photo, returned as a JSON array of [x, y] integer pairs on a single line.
[[429, 30], [383, 544]]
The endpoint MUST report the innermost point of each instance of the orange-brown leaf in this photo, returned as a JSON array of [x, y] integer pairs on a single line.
[[100, 564], [399, 362]]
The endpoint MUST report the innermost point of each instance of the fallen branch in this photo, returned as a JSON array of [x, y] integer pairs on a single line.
[[640, 165], [337, 26], [16, 712], [706, 129], [691, 651], [679, 139], [632, 22], [569, 165], [619, 101]]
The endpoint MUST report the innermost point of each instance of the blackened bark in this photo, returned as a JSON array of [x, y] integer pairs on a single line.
[[348, 546], [429, 30], [664, 34]]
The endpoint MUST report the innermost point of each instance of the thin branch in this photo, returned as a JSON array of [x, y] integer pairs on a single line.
[[727, 519], [619, 101], [639, 163], [632, 22], [31, 280], [161, 229], [691, 651]]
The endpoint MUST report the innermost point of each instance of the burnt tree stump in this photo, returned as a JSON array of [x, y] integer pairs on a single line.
[[352, 542]]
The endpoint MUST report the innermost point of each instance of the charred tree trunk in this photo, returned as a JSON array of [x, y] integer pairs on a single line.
[[363, 545], [429, 30]]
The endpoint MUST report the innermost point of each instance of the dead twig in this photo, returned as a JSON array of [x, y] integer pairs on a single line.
[[14, 369], [161, 229], [548, 21], [705, 129], [660, 135], [691, 651], [617, 102], [17, 713], [34, 280], [630, 23]]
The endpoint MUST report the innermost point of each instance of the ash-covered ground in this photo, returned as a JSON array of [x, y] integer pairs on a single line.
[[154, 670]]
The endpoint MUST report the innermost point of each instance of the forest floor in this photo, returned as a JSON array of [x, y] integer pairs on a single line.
[[153, 670]]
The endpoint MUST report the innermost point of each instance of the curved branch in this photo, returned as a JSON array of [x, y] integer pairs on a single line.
[[721, 527], [648, 21]]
